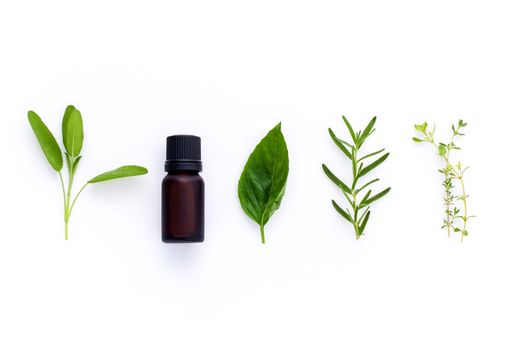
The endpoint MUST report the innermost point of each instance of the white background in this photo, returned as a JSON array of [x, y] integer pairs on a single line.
[[229, 71]]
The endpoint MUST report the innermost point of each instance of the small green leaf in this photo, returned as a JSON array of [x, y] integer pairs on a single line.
[[370, 155], [416, 139], [72, 163], [351, 130], [368, 130], [362, 205], [346, 143], [75, 163], [422, 127], [374, 198], [442, 150], [72, 131], [336, 180], [373, 165], [363, 215], [366, 185], [123, 171], [68, 160], [46, 140], [342, 212], [363, 225], [340, 144]]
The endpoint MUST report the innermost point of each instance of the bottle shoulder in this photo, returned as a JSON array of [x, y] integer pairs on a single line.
[[182, 177]]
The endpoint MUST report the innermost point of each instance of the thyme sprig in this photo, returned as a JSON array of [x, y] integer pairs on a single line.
[[455, 219]]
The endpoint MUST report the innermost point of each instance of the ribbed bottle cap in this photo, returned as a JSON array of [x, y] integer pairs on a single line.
[[183, 152]]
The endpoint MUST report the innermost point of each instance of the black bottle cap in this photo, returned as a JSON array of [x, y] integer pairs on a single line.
[[183, 152]]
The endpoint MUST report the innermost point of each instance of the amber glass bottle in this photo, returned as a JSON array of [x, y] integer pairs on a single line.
[[183, 191]]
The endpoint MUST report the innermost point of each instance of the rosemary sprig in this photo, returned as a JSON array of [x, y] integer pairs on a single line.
[[453, 174], [360, 212]]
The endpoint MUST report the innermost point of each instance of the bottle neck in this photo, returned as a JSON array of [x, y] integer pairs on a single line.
[[183, 172]]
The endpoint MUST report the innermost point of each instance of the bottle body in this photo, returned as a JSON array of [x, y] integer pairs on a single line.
[[182, 207]]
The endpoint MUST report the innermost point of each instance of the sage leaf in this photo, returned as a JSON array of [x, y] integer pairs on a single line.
[[262, 183], [123, 171], [46, 140], [72, 131]]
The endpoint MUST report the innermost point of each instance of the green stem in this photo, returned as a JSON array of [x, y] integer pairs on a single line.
[[262, 232], [465, 213], [355, 168], [356, 219], [65, 205], [63, 189], [76, 197], [447, 176], [67, 198], [447, 166]]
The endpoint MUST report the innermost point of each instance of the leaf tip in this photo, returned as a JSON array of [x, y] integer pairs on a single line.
[[31, 115]]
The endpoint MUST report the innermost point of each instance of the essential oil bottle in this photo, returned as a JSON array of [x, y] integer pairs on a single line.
[[183, 191]]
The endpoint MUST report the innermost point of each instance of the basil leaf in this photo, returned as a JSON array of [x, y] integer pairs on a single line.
[[262, 183], [46, 140], [72, 131], [123, 171]]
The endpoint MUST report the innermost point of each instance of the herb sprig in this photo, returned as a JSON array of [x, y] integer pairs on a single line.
[[72, 137], [360, 205], [453, 174]]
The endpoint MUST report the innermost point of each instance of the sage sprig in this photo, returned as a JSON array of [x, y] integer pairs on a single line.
[[453, 173], [72, 138], [359, 214], [263, 181]]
